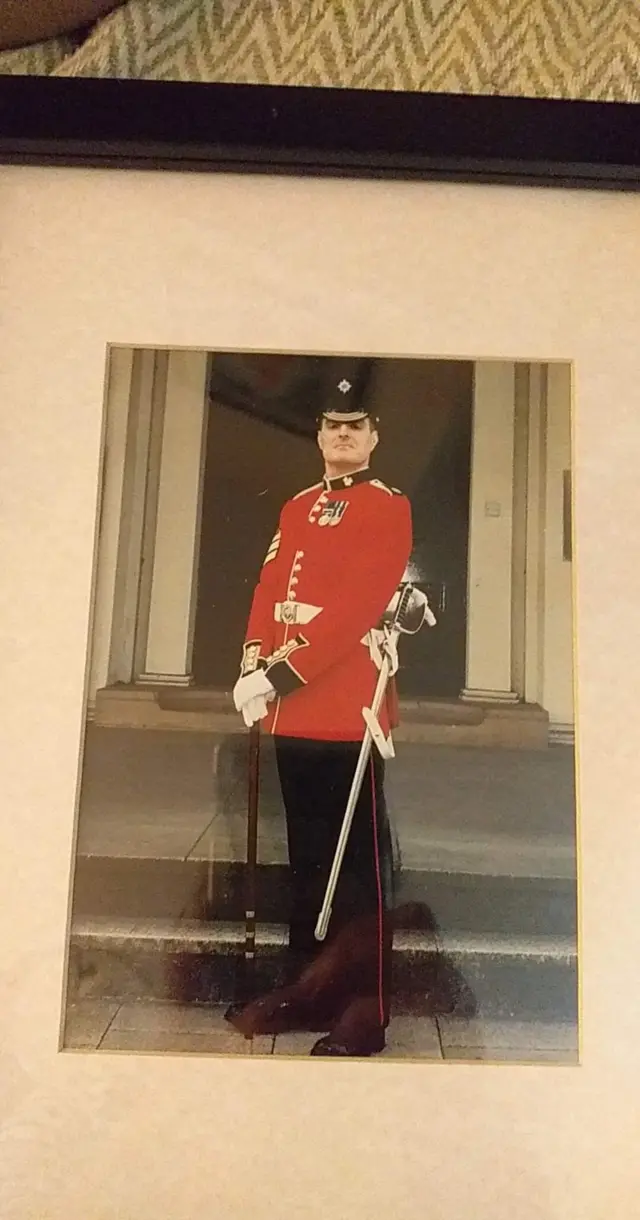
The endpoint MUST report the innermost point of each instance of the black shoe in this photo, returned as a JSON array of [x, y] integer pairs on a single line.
[[269, 1015], [359, 1048]]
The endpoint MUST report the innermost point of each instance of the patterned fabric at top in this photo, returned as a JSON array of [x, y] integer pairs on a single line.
[[537, 48]]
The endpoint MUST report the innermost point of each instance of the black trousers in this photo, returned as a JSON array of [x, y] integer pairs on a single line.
[[315, 779]]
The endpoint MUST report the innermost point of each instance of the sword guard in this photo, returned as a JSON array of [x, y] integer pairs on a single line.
[[383, 744]]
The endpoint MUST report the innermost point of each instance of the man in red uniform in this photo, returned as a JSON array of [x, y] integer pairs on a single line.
[[310, 663]]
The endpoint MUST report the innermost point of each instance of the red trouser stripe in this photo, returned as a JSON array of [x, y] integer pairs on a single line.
[[379, 885]]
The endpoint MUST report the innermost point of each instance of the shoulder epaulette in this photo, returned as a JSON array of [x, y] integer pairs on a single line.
[[382, 486], [391, 491], [305, 491]]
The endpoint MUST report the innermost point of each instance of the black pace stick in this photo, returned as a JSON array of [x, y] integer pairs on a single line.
[[245, 973], [252, 855]]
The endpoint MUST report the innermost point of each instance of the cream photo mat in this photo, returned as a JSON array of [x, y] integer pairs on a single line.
[[92, 258]]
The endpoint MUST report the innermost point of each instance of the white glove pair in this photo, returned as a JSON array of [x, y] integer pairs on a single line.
[[251, 695]]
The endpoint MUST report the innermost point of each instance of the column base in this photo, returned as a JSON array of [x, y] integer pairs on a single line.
[[472, 695], [181, 680]]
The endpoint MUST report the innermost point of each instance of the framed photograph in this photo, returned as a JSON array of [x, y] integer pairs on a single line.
[[318, 655], [246, 505]]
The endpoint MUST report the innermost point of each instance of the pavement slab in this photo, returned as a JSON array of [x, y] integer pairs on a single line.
[[171, 1028], [532, 1058], [509, 1041], [163, 1042], [87, 1022], [178, 1028]]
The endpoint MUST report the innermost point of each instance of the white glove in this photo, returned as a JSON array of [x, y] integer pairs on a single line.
[[251, 687], [390, 647], [255, 709], [378, 646]]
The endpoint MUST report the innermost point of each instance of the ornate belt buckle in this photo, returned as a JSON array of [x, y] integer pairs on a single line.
[[288, 612]]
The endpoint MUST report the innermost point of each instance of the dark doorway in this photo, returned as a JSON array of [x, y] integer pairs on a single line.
[[261, 449]]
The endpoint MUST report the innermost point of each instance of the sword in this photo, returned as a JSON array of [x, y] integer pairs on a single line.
[[373, 732]]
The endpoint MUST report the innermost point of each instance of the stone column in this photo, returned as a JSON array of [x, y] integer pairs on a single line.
[[136, 396], [558, 649], [490, 563], [176, 537], [536, 594]]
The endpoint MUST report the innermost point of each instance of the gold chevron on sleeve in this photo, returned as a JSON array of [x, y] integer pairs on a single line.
[[274, 547]]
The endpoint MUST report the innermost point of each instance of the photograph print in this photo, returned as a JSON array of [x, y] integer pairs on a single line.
[[327, 798]]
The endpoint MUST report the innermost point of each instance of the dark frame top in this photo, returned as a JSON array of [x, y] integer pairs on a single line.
[[279, 129]]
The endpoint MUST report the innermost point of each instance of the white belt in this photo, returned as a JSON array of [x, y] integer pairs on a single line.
[[295, 612]]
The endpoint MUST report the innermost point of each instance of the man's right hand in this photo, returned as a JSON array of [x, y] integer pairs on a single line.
[[251, 694]]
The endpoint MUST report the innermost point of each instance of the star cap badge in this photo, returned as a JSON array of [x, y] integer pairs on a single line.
[[339, 406]]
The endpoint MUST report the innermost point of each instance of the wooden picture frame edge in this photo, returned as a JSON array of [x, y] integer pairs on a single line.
[[133, 124]]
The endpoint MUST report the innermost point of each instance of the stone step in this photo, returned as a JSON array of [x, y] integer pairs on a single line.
[[454, 722], [484, 904], [194, 961]]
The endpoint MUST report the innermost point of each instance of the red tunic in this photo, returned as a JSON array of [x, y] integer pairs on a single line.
[[336, 559]]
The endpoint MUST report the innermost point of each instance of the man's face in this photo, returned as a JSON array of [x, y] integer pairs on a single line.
[[347, 444]]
